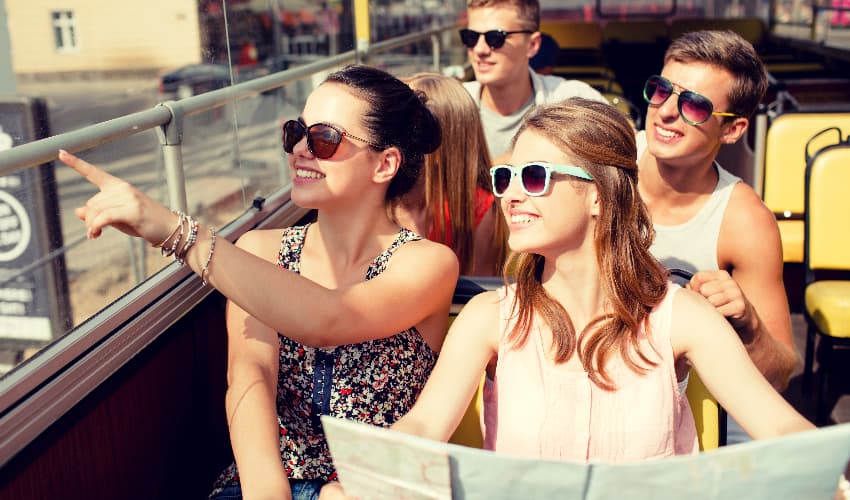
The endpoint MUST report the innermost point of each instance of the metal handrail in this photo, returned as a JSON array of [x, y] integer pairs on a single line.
[[169, 116]]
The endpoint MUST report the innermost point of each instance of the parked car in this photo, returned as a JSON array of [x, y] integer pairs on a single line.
[[193, 79]]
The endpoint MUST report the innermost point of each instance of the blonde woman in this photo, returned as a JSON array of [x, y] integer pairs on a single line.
[[451, 202]]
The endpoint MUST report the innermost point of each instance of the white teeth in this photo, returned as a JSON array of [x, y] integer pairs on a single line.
[[308, 174], [522, 219], [665, 133]]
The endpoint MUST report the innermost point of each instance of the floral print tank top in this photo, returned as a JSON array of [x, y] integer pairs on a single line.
[[374, 382]]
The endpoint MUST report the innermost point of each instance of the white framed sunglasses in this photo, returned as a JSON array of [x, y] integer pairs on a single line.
[[534, 177]]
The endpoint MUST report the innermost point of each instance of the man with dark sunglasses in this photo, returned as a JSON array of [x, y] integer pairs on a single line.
[[706, 221], [501, 37]]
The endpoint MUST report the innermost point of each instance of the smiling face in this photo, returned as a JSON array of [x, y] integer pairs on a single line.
[[315, 182], [499, 67], [676, 143], [561, 219]]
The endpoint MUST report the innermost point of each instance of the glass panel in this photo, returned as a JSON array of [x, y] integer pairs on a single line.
[[231, 155]]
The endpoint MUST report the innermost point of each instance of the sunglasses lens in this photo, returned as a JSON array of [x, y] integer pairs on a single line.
[[501, 180], [293, 131], [323, 140], [495, 39], [469, 38], [694, 107], [534, 179], [657, 90]]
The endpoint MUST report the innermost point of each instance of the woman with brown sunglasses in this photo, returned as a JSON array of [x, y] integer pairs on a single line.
[[337, 317]]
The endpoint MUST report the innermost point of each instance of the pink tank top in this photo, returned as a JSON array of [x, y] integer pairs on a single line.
[[544, 412]]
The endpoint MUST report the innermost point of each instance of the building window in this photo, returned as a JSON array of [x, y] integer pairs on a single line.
[[64, 30]]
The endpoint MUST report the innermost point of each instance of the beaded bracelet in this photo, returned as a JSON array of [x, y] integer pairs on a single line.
[[209, 257]]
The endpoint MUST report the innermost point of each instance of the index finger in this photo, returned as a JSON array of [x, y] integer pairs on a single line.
[[93, 174]]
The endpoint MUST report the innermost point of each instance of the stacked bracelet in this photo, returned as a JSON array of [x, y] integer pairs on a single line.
[[172, 245], [163, 242], [168, 251], [190, 240], [209, 257]]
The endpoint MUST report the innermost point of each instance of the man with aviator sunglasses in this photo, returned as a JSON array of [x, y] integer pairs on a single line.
[[706, 221], [501, 37]]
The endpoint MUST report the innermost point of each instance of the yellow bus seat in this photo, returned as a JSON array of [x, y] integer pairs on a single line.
[[636, 31], [709, 417], [827, 248], [784, 171], [574, 34]]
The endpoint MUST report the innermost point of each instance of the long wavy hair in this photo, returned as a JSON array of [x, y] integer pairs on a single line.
[[460, 165], [600, 139]]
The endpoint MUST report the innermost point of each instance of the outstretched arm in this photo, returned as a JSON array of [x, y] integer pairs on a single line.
[[286, 302], [753, 297], [715, 351], [471, 342]]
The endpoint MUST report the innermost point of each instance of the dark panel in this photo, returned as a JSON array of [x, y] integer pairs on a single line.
[[156, 429]]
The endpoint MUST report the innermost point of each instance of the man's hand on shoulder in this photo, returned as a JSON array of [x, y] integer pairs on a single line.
[[726, 296]]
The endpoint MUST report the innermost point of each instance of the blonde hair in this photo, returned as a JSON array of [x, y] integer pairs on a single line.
[[460, 165]]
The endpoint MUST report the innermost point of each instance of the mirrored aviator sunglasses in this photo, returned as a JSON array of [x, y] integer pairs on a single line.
[[534, 177], [495, 38], [695, 109], [323, 139]]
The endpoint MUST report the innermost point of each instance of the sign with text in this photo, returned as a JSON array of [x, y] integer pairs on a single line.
[[33, 283]]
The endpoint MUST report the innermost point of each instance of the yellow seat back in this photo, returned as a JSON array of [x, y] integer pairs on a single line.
[[574, 34], [636, 31], [785, 167], [828, 209], [707, 414]]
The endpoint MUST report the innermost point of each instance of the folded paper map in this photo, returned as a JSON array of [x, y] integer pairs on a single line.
[[377, 463]]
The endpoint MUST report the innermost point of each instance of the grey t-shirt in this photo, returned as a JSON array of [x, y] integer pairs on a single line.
[[500, 129]]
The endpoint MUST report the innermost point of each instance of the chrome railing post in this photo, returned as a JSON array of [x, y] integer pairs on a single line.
[[171, 139]]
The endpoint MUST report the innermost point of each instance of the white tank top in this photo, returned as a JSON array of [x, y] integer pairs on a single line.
[[692, 245]]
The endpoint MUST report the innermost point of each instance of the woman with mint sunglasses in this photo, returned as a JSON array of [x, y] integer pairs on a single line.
[[588, 336]]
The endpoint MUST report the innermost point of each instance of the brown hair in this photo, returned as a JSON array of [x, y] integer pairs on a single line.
[[456, 168], [729, 51], [529, 10], [600, 139]]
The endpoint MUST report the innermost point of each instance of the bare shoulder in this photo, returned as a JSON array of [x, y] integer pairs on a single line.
[[263, 243], [749, 228], [480, 315], [746, 209], [482, 310], [425, 254], [692, 317]]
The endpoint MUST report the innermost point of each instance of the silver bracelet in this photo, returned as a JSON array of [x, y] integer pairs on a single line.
[[209, 257]]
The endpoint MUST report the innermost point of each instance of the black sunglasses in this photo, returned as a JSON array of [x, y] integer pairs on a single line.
[[694, 108], [494, 38], [322, 138]]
